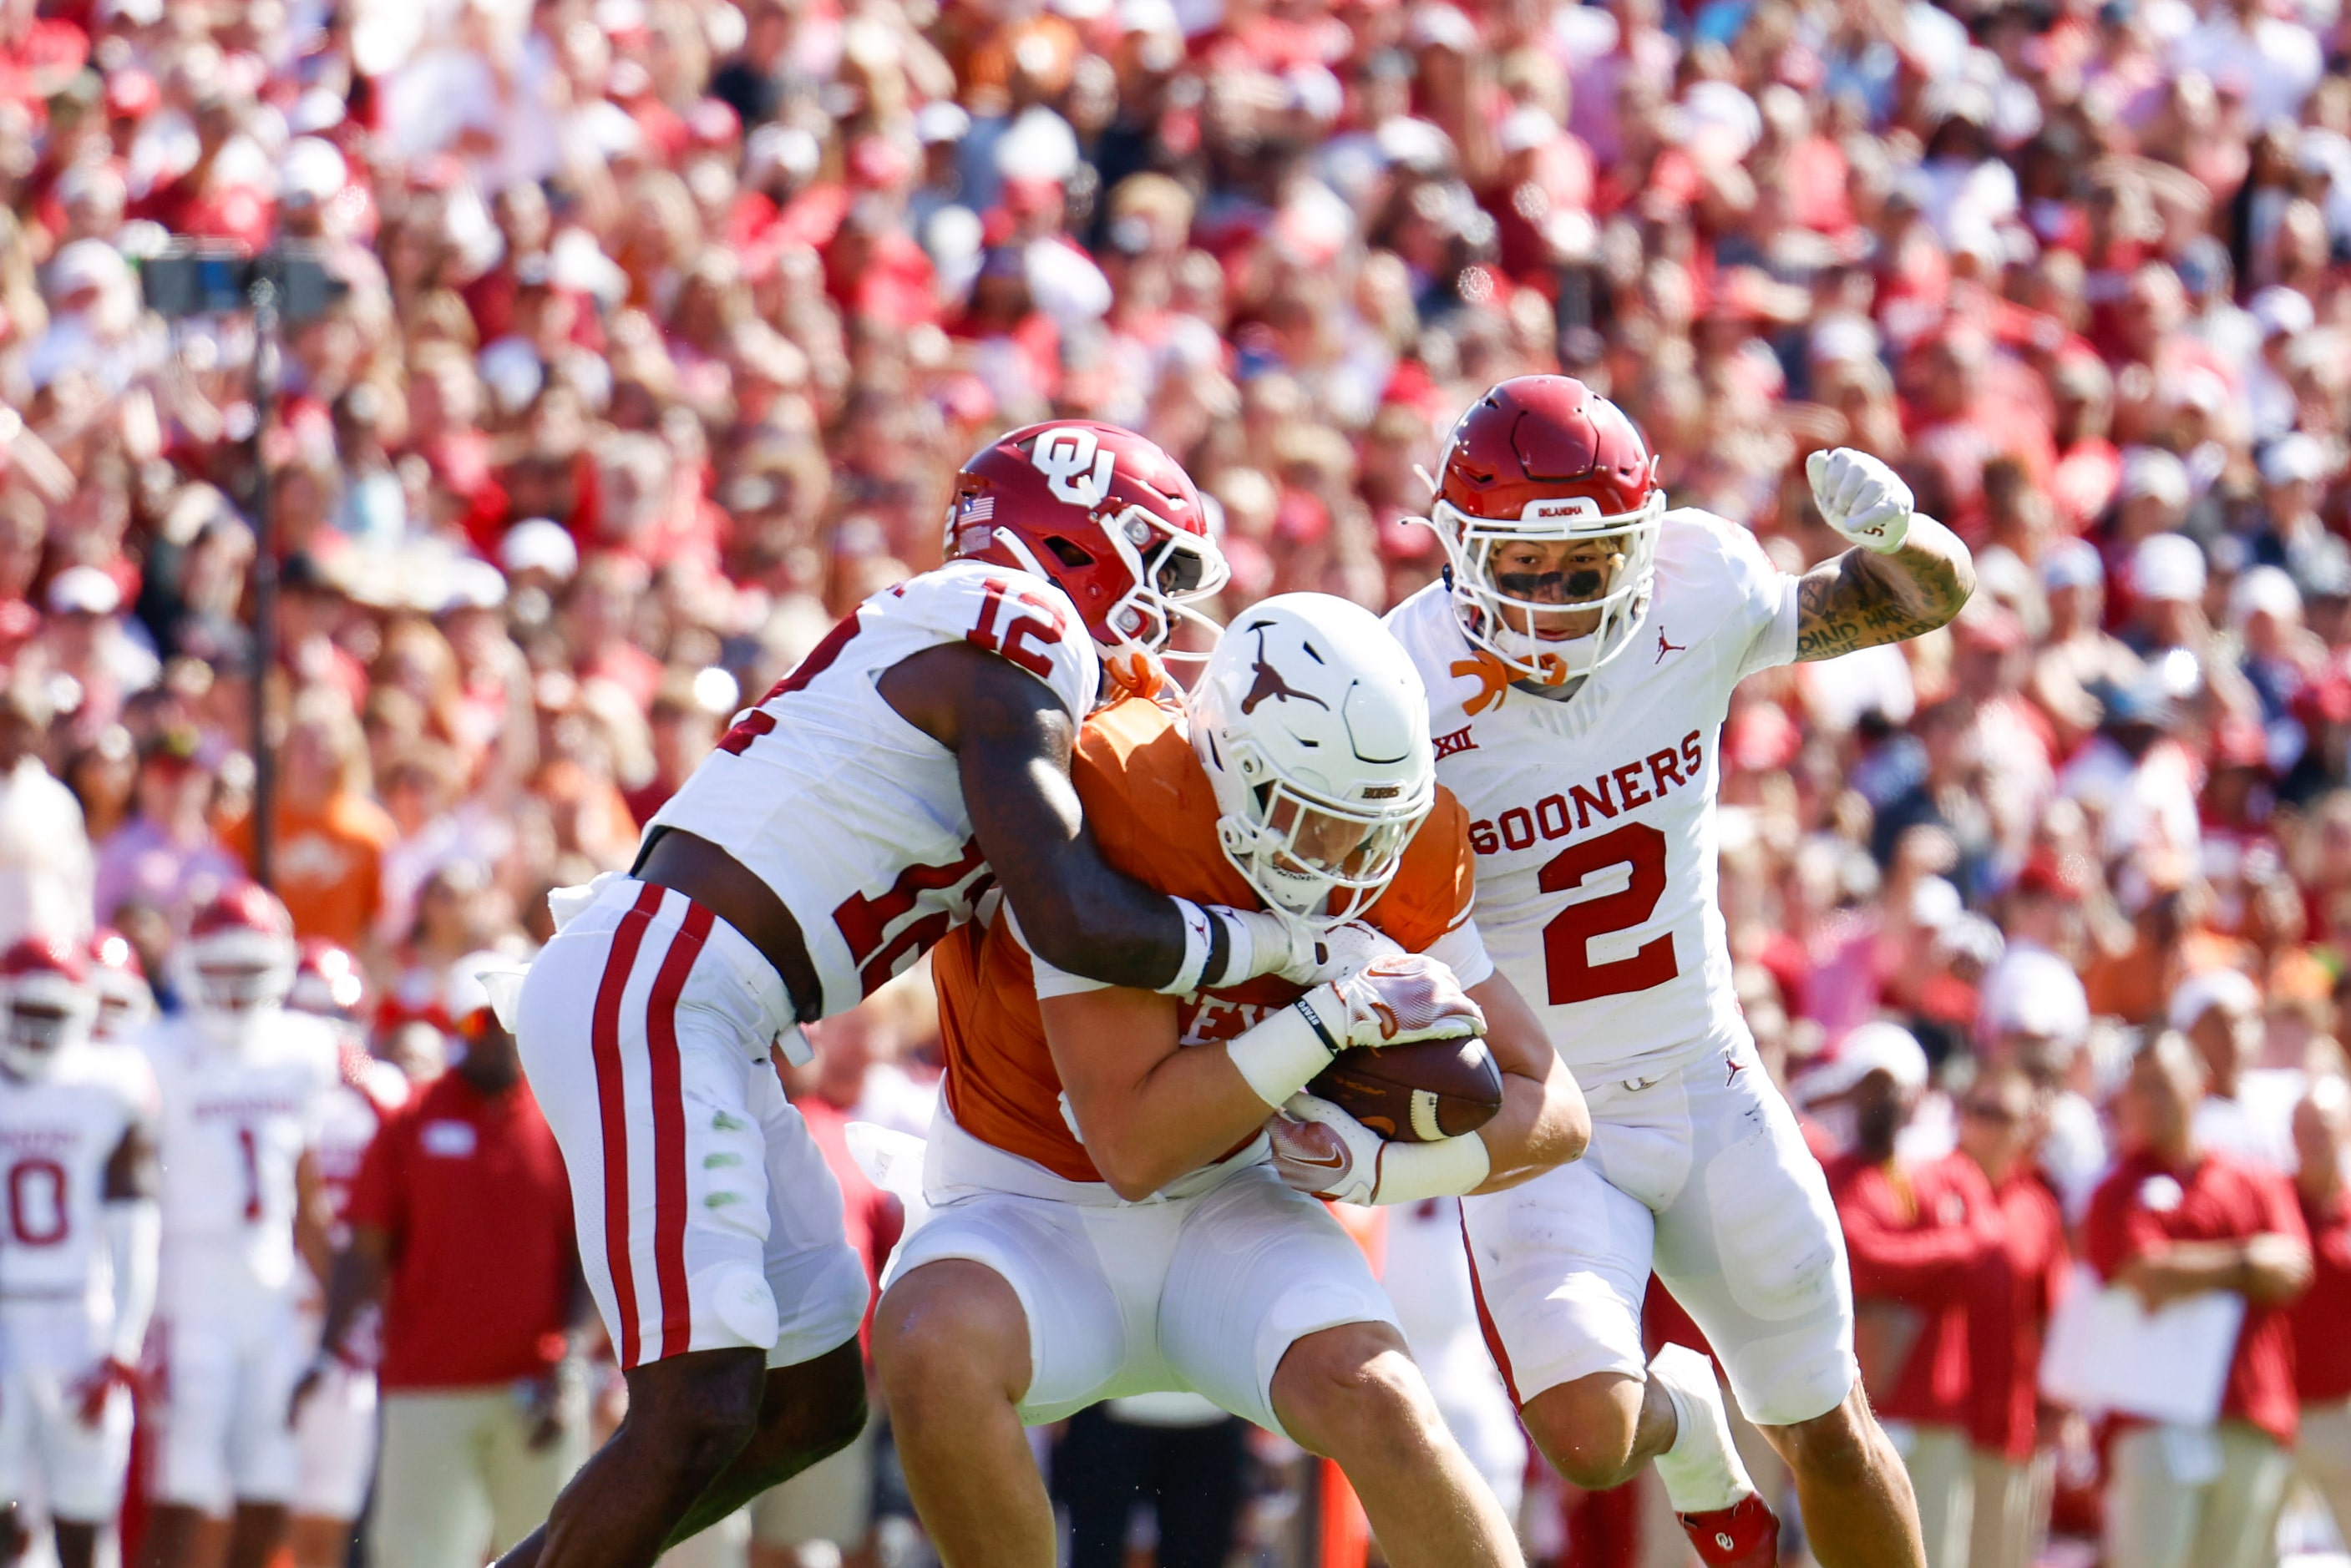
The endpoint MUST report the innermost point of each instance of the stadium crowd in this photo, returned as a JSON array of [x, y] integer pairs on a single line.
[[668, 323]]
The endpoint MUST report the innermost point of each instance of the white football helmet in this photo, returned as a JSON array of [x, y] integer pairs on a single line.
[[49, 1006], [237, 960], [1314, 727]]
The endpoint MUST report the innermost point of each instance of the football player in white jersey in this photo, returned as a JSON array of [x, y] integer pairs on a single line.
[[918, 755], [243, 1085], [1579, 657], [78, 1254], [334, 1426]]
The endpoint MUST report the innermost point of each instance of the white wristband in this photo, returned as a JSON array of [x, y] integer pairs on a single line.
[[1448, 1168], [1280, 1054], [1199, 946]]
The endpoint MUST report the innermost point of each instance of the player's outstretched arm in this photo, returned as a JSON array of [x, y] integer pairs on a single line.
[[1543, 1122], [1906, 575], [1012, 741]]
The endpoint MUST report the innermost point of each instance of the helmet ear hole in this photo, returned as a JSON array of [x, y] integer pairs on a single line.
[[1068, 552]]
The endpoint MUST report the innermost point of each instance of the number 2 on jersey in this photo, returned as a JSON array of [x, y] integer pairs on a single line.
[[1021, 628], [1567, 941]]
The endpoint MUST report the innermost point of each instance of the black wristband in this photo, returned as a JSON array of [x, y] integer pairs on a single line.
[[1314, 1020]]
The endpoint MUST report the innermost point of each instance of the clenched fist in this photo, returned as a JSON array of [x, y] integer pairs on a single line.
[[1860, 497]]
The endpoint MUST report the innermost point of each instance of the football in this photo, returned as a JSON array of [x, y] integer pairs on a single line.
[[1418, 1092]]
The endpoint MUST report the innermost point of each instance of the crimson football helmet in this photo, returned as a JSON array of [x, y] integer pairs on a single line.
[[1545, 458], [125, 1000], [239, 955], [328, 982], [45, 991], [1106, 517]]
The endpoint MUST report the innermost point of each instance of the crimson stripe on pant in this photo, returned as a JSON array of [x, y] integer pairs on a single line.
[[612, 1103], [669, 1129], [1493, 1336]]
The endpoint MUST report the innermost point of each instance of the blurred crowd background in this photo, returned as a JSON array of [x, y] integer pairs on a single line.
[[668, 322]]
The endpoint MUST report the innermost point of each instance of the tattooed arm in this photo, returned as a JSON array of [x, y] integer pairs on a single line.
[[1861, 598]]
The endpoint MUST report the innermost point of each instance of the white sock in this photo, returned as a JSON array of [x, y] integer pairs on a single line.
[[1702, 1469]]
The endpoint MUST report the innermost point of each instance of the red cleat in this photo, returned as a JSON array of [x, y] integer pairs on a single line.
[[1744, 1535]]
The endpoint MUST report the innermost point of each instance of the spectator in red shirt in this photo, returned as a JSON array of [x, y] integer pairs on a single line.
[[2321, 1318], [2171, 1222], [461, 1226], [1918, 1233], [2000, 1120]]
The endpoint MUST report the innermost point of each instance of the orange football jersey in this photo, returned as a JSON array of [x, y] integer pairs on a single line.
[[1150, 806]]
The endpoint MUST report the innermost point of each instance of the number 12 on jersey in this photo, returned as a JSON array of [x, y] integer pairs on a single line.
[[1018, 628], [1567, 939]]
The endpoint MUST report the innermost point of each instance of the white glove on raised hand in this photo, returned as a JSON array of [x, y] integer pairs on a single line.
[[1395, 1000], [1323, 1152], [1860, 497]]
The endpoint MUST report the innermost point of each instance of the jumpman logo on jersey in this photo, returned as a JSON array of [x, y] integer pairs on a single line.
[[1665, 647], [1736, 1066], [1269, 683]]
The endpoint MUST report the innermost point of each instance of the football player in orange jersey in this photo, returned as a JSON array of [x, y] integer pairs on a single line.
[[1105, 1216]]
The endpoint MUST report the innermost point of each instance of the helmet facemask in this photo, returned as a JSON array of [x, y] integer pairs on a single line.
[[1171, 570], [230, 977], [43, 1019], [1320, 861], [1604, 585]]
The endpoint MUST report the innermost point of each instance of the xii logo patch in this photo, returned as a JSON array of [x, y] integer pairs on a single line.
[[1460, 740]]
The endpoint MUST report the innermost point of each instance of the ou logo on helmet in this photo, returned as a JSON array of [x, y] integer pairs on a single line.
[[1076, 465]]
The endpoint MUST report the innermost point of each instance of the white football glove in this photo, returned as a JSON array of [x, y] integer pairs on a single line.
[[1395, 1000], [1320, 1150], [1273, 945], [1352, 948], [1860, 497]]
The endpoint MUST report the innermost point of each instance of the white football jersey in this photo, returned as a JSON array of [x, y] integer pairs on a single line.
[[1593, 819], [851, 814], [235, 1122], [58, 1134]]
